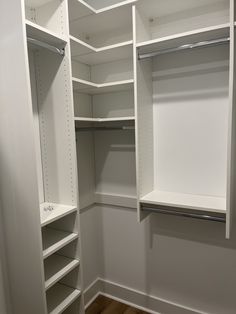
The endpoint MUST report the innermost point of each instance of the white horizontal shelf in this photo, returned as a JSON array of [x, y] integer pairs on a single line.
[[60, 297], [36, 3], [116, 200], [56, 267], [79, 8], [38, 32], [87, 87], [84, 119], [50, 212], [191, 201], [54, 240], [85, 53], [202, 34]]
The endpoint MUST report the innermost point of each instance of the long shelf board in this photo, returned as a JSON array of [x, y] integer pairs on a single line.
[[79, 8], [56, 267], [84, 119], [191, 201], [50, 212], [85, 53], [202, 34], [60, 297], [87, 87], [41, 33], [54, 240]]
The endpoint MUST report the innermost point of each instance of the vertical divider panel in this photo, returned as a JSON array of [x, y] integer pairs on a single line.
[[231, 175], [144, 121]]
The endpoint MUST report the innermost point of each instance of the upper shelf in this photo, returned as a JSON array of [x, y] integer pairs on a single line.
[[43, 34], [79, 8], [85, 119], [85, 53], [202, 34], [87, 87], [180, 200], [50, 212]]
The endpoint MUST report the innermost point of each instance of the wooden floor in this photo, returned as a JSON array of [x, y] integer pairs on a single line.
[[105, 305]]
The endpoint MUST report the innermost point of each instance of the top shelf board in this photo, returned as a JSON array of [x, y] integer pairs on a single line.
[[79, 8], [42, 34], [50, 212], [82, 52], [36, 3], [199, 35]]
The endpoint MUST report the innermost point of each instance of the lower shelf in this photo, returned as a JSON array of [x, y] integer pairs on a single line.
[[56, 267], [191, 201], [54, 240], [60, 297]]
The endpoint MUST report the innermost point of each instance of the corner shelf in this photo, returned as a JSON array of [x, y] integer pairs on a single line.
[[85, 53], [202, 34], [190, 201], [104, 119], [60, 297], [41, 33], [56, 267], [58, 211], [87, 87], [54, 240]]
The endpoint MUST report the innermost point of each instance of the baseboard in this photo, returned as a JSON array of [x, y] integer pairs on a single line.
[[134, 298]]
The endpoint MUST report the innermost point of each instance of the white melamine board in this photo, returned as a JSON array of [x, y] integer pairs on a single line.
[[114, 119], [18, 179], [87, 54], [54, 240], [116, 200], [115, 162], [93, 89], [81, 70], [42, 34], [191, 111], [79, 9], [60, 297], [166, 19], [36, 3], [56, 267], [180, 200], [50, 212], [176, 40], [56, 127]]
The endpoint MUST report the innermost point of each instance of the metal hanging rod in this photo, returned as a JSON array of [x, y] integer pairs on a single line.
[[207, 43], [122, 128], [60, 51], [182, 213]]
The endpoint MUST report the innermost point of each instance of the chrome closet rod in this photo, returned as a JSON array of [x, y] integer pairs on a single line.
[[39, 43], [207, 43], [182, 213], [122, 128]]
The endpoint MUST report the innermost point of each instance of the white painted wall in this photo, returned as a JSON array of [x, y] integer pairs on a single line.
[[178, 259]]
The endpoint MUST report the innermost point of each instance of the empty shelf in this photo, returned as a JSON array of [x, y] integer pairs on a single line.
[[60, 297], [191, 201], [42, 34], [104, 119], [83, 52], [54, 240], [87, 87], [56, 267], [202, 34], [50, 212]]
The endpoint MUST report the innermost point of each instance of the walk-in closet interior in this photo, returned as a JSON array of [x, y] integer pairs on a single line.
[[117, 155]]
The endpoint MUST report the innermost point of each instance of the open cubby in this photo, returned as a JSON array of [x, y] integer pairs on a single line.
[[183, 159], [160, 19], [47, 14]]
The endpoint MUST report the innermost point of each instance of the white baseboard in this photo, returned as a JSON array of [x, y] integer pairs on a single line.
[[134, 298]]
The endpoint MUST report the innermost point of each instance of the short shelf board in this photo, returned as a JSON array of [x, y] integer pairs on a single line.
[[84, 53], [54, 240], [127, 201], [87, 87], [56, 267], [191, 201], [82, 119], [50, 212], [36, 3], [198, 35], [79, 8], [40, 33], [60, 297]]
